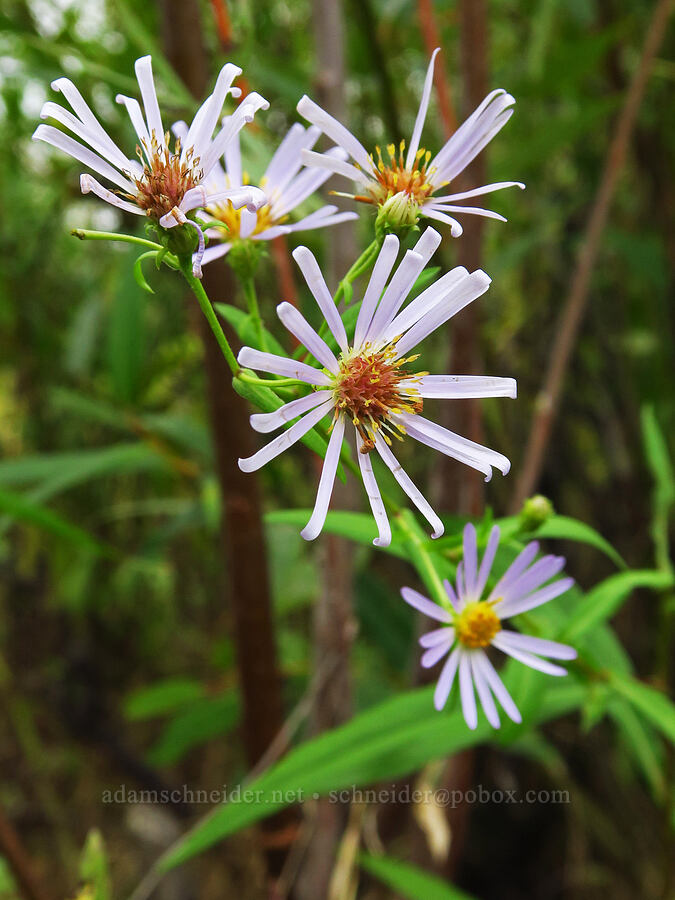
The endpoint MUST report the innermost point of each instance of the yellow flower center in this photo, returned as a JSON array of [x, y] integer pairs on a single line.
[[477, 624], [165, 179], [393, 177], [369, 388], [231, 217]]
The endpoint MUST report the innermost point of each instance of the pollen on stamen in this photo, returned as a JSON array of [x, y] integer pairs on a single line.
[[166, 178], [476, 625], [370, 387]]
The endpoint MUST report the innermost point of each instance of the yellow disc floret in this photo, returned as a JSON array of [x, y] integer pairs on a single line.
[[476, 625]]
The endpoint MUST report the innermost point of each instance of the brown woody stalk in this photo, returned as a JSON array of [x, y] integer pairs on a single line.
[[548, 400], [19, 862], [243, 535]]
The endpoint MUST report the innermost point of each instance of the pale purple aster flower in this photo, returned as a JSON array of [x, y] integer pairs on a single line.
[[410, 184], [161, 183], [370, 382], [286, 184], [471, 624]]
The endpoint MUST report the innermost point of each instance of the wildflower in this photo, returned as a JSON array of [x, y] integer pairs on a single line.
[[471, 624], [372, 382], [164, 184], [286, 184], [415, 175]]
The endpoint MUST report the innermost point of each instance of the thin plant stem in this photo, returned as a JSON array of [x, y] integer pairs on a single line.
[[421, 558], [254, 311], [185, 264], [85, 234]]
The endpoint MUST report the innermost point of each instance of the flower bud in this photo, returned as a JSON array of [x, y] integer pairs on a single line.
[[536, 510], [398, 213]]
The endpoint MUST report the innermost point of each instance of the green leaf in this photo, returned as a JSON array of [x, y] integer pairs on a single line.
[[652, 703], [359, 527], [387, 741], [661, 468], [206, 718], [125, 333], [94, 866], [642, 743], [604, 599], [162, 697], [568, 529], [30, 513], [410, 881], [246, 330]]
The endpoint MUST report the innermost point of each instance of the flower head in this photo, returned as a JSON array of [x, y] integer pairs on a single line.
[[417, 174], [286, 184], [374, 382], [164, 182], [471, 623]]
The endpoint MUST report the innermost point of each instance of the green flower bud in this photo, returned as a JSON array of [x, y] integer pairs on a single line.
[[397, 214], [536, 510]]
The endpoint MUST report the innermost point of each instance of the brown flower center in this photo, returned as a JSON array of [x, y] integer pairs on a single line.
[[370, 387], [393, 177], [165, 179], [476, 625]]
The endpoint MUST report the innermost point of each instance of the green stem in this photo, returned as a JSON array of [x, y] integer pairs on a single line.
[[185, 263], [85, 235], [271, 383], [254, 311], [421, 558]]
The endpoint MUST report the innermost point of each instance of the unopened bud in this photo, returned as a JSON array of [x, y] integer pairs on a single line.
[[536, 510], [397, 213]]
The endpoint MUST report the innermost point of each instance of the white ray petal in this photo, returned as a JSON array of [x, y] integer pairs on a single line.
[[298, 326], [313, 528], [515, 607], [335, 165], [81, 108], [499, 690], [540, 646], [315, 282], [374, 496], [207, 116], [454, 599], [458, 387], [104, 148], [502, 643], [134, 112], [470, 559], [422, 112], [435, 653], [430, 211], [487, 560], [146, 83], [538, 574], [51, 135], [396, 292], [425, 302], [266, 422], [407, 484], [336, 131], [424, 605], [281, 365], [88, 184], [437, 636], [477, 192], [287, 439], [383, 266]]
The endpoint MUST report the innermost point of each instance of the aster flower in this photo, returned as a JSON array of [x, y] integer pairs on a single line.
[[471, 624], [371, 383], [286, 184], [405, 186], [162, 183]]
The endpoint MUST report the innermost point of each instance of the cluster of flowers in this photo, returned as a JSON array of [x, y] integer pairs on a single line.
[[369, 377]]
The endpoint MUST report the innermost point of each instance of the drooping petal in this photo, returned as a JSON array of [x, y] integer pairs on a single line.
[[88, 184], [467, 695], [315, 282], [431, 211], [266, 422], [374, 497], [446, 678], [424, 605], [422, 112], [502, 642], [281, 365], [407, 484], [284, 441], [316, 522], [498, 689], [336, 131], [451, 444], [298, 326], [483, 689]]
